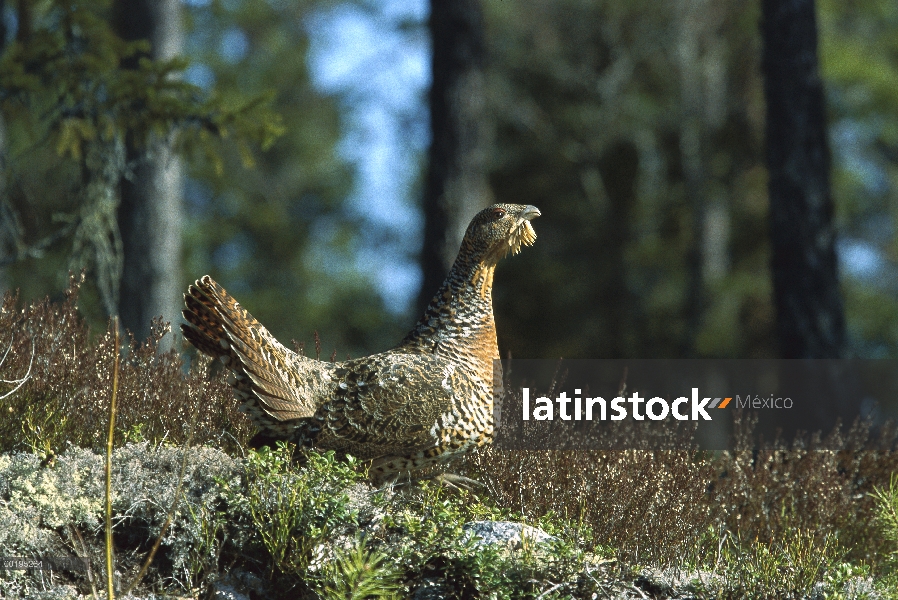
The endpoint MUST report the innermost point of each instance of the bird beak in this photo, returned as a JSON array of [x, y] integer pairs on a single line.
[[530, 213]]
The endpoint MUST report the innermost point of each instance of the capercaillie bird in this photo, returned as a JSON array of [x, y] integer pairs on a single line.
[[424, 401]]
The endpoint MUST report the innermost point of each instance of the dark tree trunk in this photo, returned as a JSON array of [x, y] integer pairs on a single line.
[[810, 321], [150, 214], [456, 186], [7, 230]]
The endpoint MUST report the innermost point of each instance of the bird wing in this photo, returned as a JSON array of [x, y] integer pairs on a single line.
[[391, 401]]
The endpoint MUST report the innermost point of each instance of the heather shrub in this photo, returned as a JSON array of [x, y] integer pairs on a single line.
[[690, 508], [647, 504], [813, 484], [62, 377]]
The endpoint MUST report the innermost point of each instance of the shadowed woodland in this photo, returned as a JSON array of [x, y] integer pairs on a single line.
[[637, 128]]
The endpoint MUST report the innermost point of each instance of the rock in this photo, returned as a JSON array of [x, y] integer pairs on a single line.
[[431, 589], [238, 585], [507, 533]]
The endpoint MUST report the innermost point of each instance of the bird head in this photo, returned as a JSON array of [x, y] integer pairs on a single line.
[[499, 229]]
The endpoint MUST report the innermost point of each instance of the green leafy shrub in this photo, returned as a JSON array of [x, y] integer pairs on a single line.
[[294, 509], [886, 498], [358, 574]]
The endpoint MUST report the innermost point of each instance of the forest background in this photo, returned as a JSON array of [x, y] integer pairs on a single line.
[[319, 159]]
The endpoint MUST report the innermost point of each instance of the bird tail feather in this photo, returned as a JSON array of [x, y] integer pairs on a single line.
[[219, 327]]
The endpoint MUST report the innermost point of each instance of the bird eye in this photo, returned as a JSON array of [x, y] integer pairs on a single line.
[[499, 212]]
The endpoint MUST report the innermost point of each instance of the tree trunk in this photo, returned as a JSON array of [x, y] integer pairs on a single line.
[[457, 185], [150, 215], [7, 215], [810, 321]]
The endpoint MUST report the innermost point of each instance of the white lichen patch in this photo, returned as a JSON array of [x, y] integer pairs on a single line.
[[53, 496]]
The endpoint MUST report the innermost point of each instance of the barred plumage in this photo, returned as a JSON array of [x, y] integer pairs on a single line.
[[424, 401]]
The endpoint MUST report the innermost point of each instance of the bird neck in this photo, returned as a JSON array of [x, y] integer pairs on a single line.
[[460, 314]]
